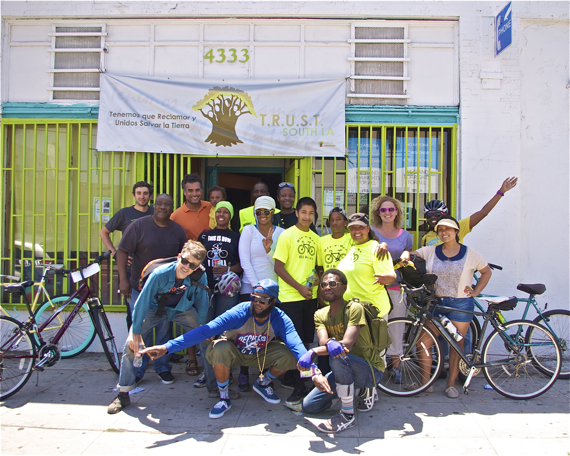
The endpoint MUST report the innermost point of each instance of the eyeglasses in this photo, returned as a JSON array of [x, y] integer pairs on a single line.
[[330, 284], [260, 212], [261, 300], [430, 214], [186, 262], [387, 209], [286, 184]]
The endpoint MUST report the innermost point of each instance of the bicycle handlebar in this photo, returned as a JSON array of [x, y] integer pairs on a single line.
[[98, 259], [495, 266]]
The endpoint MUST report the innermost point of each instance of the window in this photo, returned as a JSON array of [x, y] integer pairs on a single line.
[[77, 62], [379, 67]]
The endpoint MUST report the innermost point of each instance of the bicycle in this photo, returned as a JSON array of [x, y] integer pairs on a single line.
[[81, 331], [510, 356], [557, 321], [23, 348]]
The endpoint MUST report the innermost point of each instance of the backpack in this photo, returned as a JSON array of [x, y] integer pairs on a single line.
[[413, 276], [377, 326], [162, 297]]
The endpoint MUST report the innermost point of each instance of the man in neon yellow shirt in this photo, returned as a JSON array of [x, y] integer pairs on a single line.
[[435, 209], [295, 262]]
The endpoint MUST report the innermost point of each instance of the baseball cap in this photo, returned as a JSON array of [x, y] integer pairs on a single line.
[[267, 286], [264, 202], [358, 219]]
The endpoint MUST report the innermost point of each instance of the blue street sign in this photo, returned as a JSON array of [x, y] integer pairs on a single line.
[[503, 29]]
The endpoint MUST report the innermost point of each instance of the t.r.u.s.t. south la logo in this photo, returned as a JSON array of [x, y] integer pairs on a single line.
[[223, 106]]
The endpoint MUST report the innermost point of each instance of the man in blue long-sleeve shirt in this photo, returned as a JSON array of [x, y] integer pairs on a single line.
[[251, 328]]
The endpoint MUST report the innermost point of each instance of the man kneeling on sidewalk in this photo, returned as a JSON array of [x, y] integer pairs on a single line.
[[342, 332], [167, 295], [249, 341]]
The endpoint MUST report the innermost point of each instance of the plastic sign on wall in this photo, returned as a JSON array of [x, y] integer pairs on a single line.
[[503, 29], [239, 117]]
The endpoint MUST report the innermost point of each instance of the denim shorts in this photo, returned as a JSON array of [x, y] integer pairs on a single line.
[[456, 303]]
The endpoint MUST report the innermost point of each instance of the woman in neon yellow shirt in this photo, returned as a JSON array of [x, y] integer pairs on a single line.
[[367, 275]]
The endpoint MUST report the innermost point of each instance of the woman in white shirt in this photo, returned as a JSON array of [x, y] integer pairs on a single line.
[[454, 265]]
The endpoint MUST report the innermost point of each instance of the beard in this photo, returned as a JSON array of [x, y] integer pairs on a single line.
[[264, 313]]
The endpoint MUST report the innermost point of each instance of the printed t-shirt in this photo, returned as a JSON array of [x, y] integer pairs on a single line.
[[431, 237], [330, 251], [226, 244], [123, 218], [297, 249], [359, 265], [335, 327], [193, 222], [146, 241]]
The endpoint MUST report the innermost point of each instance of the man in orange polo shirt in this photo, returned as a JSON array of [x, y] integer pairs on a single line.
[[194, 214]]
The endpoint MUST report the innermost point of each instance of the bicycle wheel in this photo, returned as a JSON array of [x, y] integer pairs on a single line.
[[517, 375], [409, 365], [17, 356], [557, 321], [80, 333], [107, 339]]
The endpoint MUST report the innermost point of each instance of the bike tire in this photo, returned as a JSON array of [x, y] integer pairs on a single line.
[[559, 325], [80, 333], [107, 339], [409, 366], [14, 370], [522, 380]]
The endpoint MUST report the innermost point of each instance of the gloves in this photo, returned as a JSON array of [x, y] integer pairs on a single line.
[[334, 348], [305, 360]]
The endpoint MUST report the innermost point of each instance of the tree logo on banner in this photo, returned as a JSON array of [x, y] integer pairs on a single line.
[[223, 106]]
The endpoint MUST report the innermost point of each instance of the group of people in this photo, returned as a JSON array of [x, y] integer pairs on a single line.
[[255, 299]]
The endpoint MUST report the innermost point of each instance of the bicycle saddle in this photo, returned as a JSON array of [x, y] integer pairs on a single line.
[[532, 288], [19, 287]]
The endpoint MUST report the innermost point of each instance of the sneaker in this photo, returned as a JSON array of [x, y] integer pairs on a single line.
[[220, 408], [337, 423], [451, 392], [397, 376], [288, 384], [368, 398], [266, 392], [201, 382], [215, 394], [243, 383], [166, 377], [297, 396], [121, 401]]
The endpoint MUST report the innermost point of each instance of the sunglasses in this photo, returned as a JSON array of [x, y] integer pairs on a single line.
[[261, 300], [330, 284], [434, 213], [260, 212], [387, 209], [186, 262], [286, 184]]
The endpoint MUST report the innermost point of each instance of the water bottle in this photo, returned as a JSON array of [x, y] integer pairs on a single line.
[[216, 260], [501, 318], [450, 328], [311, 279], [137, 362]]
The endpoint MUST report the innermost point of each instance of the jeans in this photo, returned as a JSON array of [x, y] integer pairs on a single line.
[[163, 335], [127, 377], [344, 372]]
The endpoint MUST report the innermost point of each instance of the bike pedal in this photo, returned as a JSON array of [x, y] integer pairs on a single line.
[[465, 391], [38, 368]]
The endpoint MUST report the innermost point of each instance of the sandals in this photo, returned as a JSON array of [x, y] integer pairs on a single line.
[[192, 367]]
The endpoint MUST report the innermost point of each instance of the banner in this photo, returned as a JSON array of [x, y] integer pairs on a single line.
[[230, 117]]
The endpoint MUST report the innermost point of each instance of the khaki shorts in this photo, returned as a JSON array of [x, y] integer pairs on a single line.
[[276, 354]]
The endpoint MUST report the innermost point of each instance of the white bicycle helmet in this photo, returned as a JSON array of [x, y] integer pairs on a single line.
[[228, 285]]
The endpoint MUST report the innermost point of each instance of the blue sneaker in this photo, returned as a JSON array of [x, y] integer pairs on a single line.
[[220, 408], [266, 392], [201, 382]]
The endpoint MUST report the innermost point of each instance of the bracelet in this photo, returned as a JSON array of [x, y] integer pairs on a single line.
[[499, 192]]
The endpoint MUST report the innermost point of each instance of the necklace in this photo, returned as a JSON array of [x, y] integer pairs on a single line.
[[261, 367]]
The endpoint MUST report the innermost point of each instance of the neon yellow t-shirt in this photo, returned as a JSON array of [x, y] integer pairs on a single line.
[[297, 249], [431, 237], [330, 251], [359, 265]]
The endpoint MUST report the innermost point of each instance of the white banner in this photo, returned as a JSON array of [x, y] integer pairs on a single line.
[[231, 117]]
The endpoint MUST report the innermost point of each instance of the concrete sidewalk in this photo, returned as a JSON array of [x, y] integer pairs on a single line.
[[66, 413]]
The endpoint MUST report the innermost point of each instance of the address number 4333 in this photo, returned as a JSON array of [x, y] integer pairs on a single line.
[[227, 55]]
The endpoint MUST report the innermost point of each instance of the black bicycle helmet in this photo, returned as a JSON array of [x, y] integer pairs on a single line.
[[435, 205]]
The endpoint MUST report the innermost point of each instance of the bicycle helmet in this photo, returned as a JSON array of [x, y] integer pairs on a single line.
[[435, 205], [229, 285]]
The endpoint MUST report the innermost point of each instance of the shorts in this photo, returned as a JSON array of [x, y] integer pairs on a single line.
[[456, 303]]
